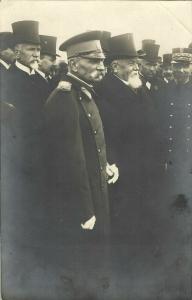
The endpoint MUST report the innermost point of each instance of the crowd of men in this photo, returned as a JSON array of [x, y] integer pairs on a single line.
[[98, 147]]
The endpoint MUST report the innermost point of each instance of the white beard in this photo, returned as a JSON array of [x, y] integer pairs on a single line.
[[34, 65], [134, 81]]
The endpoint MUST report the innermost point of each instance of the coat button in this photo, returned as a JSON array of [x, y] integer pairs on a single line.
[[171, 116], [89, 115], [188, 127], [99, 150], [170, 138], [95, 131], [188, 116], [170, 150], [189, 104], [170, 126], [188, 139], [80, 98], [171, 103], [101, 168]]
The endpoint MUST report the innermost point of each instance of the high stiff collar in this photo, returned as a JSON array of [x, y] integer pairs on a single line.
[[42, 74], [86, 88], [24, 68], [6, 65]]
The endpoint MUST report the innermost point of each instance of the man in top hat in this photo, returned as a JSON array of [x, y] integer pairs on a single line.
[[150, 66], [167, 72], [129, 122], [47, 62], [48, 56], [24, 202]]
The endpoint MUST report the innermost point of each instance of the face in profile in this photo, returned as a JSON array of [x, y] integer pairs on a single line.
[[46, 63], [91, 70], [28, 54], [128, 70]]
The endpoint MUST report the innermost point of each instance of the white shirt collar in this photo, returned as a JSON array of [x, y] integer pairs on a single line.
[[6, 65], [41, 73], [124, 81], [24, 68], [148, 85]]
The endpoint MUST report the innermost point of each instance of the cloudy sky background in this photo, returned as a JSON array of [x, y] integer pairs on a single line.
[[169, 22]]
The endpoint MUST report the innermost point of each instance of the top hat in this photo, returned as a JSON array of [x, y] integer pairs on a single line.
[[48, 45], [26, 32], [104, 39], [86, 45], [181, 55], [122, 46], [152, 51], [147, 42], [6, 40], [190, 45], [167, 58]]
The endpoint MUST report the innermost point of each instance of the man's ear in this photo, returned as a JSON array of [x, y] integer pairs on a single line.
[[114, 67], [73, 64], [17, 50]]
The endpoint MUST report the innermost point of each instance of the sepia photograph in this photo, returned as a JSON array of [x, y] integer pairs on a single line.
[[96, 150]]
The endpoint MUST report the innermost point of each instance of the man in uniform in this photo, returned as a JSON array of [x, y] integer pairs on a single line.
[[77, 164], [174, 197]]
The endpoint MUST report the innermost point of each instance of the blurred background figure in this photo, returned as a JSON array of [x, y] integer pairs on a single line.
[[167, 72], [7, 55], [150, 67], [58, 72]]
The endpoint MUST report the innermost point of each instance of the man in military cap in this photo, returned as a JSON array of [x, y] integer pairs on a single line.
[[129, 121], [77, 163]]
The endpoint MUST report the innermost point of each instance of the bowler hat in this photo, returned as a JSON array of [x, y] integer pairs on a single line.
[[190, 45], [26, 32], [122, 46], [48, 45], [86, 44], [6, 40]]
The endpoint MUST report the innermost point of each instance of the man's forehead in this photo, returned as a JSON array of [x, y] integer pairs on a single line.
[[181, 64]]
